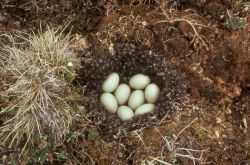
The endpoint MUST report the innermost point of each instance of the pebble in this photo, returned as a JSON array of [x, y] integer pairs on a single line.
[[227, 111], [217, 134], [218, 120]]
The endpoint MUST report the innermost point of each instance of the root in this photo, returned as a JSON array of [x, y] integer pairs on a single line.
[[172, 146], [197, 39]]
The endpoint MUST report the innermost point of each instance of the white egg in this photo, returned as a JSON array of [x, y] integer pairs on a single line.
[[109, 102], [125, 113], [122, 93], [145, 108], [139, 81], [111, 83], [136, 99], [152, 92]]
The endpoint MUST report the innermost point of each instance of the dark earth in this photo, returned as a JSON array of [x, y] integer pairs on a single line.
[[207, 45]]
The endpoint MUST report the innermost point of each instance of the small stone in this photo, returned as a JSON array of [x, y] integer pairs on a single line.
[[70, 64], [246, 8], [227, 111], [217, 134], [218, 120], [244, 120]]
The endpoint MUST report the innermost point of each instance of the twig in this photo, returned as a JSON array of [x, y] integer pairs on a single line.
[[185, 128], [160, 161], [196, 36]]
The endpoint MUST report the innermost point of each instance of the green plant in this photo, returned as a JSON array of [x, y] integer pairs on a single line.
[[41, 152], [233, 22], [72, 136], [61, 156], [175, 3], [93, 134], [122, 131], [40, 68], [69, 71]]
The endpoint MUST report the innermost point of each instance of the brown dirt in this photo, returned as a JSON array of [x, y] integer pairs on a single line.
[[216, 73]]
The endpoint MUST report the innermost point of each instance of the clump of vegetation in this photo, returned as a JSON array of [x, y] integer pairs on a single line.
[[39, 68], [233, 22]]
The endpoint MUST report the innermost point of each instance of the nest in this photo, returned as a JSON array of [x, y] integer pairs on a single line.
[[128, 61]]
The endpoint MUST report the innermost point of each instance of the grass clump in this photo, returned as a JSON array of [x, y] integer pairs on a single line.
[[39, 68], [233, 22]]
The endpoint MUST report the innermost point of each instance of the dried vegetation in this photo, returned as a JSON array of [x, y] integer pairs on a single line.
[[38, 69]]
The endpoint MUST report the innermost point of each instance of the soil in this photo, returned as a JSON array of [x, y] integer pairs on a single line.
[[203, 40]]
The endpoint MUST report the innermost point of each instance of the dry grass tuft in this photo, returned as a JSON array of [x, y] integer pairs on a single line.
[[39, 68]]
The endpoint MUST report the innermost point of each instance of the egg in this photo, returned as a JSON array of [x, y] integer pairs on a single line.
[[139, 81], [122, 93], [136, 99], [111, 83], [109, 102], [125, 113], [152, 92], [144, 108]]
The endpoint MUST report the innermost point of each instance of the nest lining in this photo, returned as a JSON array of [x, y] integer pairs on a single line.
[[128, 61]]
